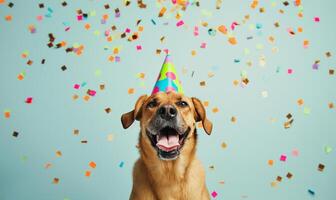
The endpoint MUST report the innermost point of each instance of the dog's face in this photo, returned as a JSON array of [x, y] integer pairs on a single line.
[[167, 121]]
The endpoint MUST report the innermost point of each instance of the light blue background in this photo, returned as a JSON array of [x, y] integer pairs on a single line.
[[46, 125]]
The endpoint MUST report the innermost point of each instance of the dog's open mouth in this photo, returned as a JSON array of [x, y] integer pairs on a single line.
[[168, 142]]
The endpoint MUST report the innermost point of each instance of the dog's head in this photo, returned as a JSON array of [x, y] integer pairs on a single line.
[[167, 121]]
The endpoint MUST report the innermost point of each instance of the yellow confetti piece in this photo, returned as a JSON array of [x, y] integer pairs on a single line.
[[110, 137]]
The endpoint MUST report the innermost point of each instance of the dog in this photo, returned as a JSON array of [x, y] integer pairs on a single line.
[[168, 168]]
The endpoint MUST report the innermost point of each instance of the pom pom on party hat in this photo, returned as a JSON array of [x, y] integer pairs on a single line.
[[167, 80]]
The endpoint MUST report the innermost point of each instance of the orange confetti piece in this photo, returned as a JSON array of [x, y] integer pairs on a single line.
[[270, 162], [87, 173], [141, 28], [105, 17], [92, 164], [7, 114], [109, 38], [254, 4], [86, 98], [206, 103], [222, 29], [8, 18], [305, 43], [162, 11], [300, 29], [232, 40], [300, 102], [2, 1], [87, 26], [131, 91], [20, 77], [111, 58], [115, 50]]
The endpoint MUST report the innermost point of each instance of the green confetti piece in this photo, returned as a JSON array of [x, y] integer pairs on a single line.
[[327, 149], [306, 110]]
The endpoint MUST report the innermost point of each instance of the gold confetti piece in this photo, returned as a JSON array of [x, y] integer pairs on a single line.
[[74, 97], [162, 11], [47, 165], [331, 71], [274, 184], [331, 105], [223, 145], [212, 167], [110, 137], [193, 53], [235, 82], [289, 175], [108, 110], [76, 132], [262, 10], [321, 167], [328, 54], [55, 181], [279, 178], [215, 110], [202, 83], [211, 74], [233, 119], [58, 153], [84, 141], [102, 87], [289, 116]]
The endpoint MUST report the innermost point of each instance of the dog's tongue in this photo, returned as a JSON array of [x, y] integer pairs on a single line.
[[168, 143]]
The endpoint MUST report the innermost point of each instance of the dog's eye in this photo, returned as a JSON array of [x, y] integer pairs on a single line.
[[182, 104], [152, 104]]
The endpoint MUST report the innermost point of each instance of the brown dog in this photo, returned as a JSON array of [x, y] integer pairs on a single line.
[[168, 168]]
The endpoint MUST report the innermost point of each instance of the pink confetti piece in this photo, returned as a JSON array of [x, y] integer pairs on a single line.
[[166, 51], [203, 45], [79, 17], [179, 23], [233, 25], [29, 100], [214, 194], [196, 33], [107, 33], [128, 30], [76, 86], [283, 158], [139, 47], [91, 92], [289, 71], [295, 152], [174, 1], [316, 19], [67, 28], [39, 18]]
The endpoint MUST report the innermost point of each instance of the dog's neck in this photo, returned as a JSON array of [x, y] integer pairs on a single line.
[[161, 170]]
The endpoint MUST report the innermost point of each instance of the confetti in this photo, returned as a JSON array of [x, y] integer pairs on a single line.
[[283, 158], [214, 194]]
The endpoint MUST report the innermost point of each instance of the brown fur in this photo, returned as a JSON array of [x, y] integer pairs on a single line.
[[180, 179]]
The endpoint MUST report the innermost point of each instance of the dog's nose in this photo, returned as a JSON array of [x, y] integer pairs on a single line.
[[167, 112]]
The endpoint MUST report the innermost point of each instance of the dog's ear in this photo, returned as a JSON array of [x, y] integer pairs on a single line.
[[127, 119], [200, 115]]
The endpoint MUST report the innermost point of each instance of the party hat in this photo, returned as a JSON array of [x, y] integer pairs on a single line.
[[167, 80]]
